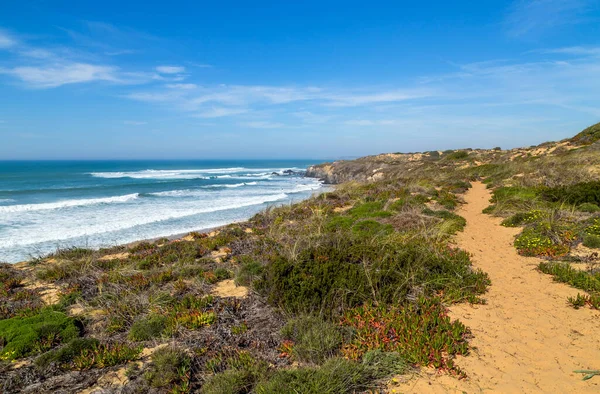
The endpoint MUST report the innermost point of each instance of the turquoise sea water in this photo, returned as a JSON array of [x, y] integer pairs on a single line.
[[45, 205]]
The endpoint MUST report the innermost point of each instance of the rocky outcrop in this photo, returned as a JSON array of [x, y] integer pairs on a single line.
[[346, 171]]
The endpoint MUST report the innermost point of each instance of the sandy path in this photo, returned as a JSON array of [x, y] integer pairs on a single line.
[[528, 339]]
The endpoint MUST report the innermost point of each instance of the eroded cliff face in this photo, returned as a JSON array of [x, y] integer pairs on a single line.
[[360, 170]]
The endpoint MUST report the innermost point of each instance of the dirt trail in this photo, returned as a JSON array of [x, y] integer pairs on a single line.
[[528, 339]]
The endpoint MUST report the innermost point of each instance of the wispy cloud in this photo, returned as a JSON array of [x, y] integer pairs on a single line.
[[50, 67], [574, 51], [170, 69], [182, 86], [57, 75], [262, 125], [219, 112], [6, 41], [538, 16]]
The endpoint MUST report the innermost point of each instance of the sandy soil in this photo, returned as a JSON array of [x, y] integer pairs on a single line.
[[228, 288], [527, 339]]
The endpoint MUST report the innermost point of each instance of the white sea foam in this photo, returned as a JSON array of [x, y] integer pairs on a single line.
[[6, 200], [112, 219], [67, 204], [192, 173]]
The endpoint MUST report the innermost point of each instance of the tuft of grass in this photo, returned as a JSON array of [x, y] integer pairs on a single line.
[[591, 241], [86, 353], [170, 369], [249, 270], [148, 328], [336, 375], [313, 339], [563, 272]]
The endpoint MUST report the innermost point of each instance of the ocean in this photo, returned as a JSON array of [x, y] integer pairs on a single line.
[[45, 205]]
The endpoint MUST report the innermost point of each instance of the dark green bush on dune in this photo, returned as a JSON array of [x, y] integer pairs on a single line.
[[346, 273], [579, 193]]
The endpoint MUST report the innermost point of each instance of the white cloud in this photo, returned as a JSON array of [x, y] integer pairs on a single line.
[[170, 69], [575, 51], [134, 123], [182, 86], [51, 76], [537, 16], [219, 112], [262, 125], [6, 41]]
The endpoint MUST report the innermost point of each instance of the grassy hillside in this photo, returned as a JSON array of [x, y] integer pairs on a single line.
[[335, 294]]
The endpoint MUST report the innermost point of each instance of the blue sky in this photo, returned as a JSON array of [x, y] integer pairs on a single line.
[[273, 79]]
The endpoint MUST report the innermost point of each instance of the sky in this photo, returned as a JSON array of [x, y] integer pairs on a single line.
[[282, 79]]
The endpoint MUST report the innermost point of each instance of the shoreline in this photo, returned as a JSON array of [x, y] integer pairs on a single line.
[[177, 236]]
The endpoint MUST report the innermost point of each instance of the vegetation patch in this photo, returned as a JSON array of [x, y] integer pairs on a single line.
[[311, 339], [421, 333], [335, 376], [563, 272], [21, 337]]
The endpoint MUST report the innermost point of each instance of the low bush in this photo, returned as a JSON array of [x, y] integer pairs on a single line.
[[346, 273], [26, 336], [249, 270], [148, 328], [421, 333], [369, 210], [170, 368], [313, 339], [521, 218], [588, 207], [533, 241], [337, 375], [577, 194], [591, 241], [457, 155]]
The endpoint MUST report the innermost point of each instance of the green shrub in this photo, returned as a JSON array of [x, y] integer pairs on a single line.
[[455, 222], [337, 375], [348, 272], [421, 333], [170, 368], [457, 155], [534, 241], [229, 382], [339, 223], [222, 273], [588, 207], [369, 210], [577, 194], [314, 340], [248, 271], [563, 272], [591, 241], [523, 217], [594, 228], [22, 337], [587, 136], [371, 228], [148, 328], [66, 353]]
